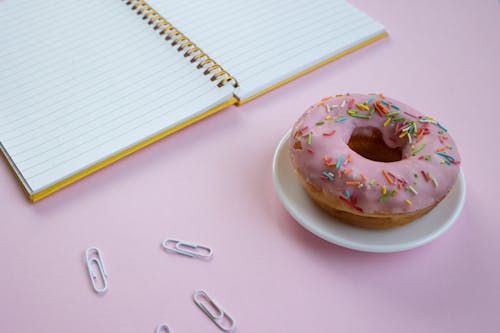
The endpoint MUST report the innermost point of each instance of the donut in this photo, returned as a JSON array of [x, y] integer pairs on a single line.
[[372, 161]]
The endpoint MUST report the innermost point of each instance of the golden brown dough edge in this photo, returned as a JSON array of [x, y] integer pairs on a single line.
[[349, 215]]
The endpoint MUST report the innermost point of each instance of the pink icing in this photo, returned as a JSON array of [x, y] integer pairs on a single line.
[[325, 130]]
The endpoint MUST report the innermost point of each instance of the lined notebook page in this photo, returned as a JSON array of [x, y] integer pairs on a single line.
[[83, 80], [262, 42]]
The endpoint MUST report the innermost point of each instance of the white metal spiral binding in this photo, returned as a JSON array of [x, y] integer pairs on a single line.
[[183, 44]]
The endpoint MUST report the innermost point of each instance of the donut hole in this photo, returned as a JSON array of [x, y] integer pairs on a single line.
[[369, 143]]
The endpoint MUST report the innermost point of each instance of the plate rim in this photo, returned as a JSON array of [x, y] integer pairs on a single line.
[[356, 245]]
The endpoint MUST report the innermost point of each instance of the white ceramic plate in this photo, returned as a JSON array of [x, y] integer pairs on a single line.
[[311, 217]]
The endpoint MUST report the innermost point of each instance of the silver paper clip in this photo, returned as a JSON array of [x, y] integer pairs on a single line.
[[217, 314], [93, 256], [186, 248], [163, 328]]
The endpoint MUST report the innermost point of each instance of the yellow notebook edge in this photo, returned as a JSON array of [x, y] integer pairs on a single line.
[[34, 197], [314, 67]]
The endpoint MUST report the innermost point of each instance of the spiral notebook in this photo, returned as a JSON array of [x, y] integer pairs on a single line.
[[85, 83]]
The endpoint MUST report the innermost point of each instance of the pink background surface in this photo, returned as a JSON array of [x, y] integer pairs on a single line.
[[211, 183]]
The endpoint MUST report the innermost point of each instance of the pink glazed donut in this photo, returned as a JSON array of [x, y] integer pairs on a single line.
[[373, 161]]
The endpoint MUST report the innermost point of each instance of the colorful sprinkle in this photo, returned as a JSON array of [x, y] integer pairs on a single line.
[[425, 175], [405, 128], [366, 116], [339, 162], [427, 119], [434, 181], [377, 108], [350, 104], [351, 202], [411, 189], [395, 113], [339, 119], [448, 156], [321, 122], [332, 132], [362, 107], [408, 202], [442, 127], [410, 141], [381, 107], [347, 171], [387, 122], [389, 179], [385, 196], [309, 138], [419, 149], [329, 175], [420, 134]]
